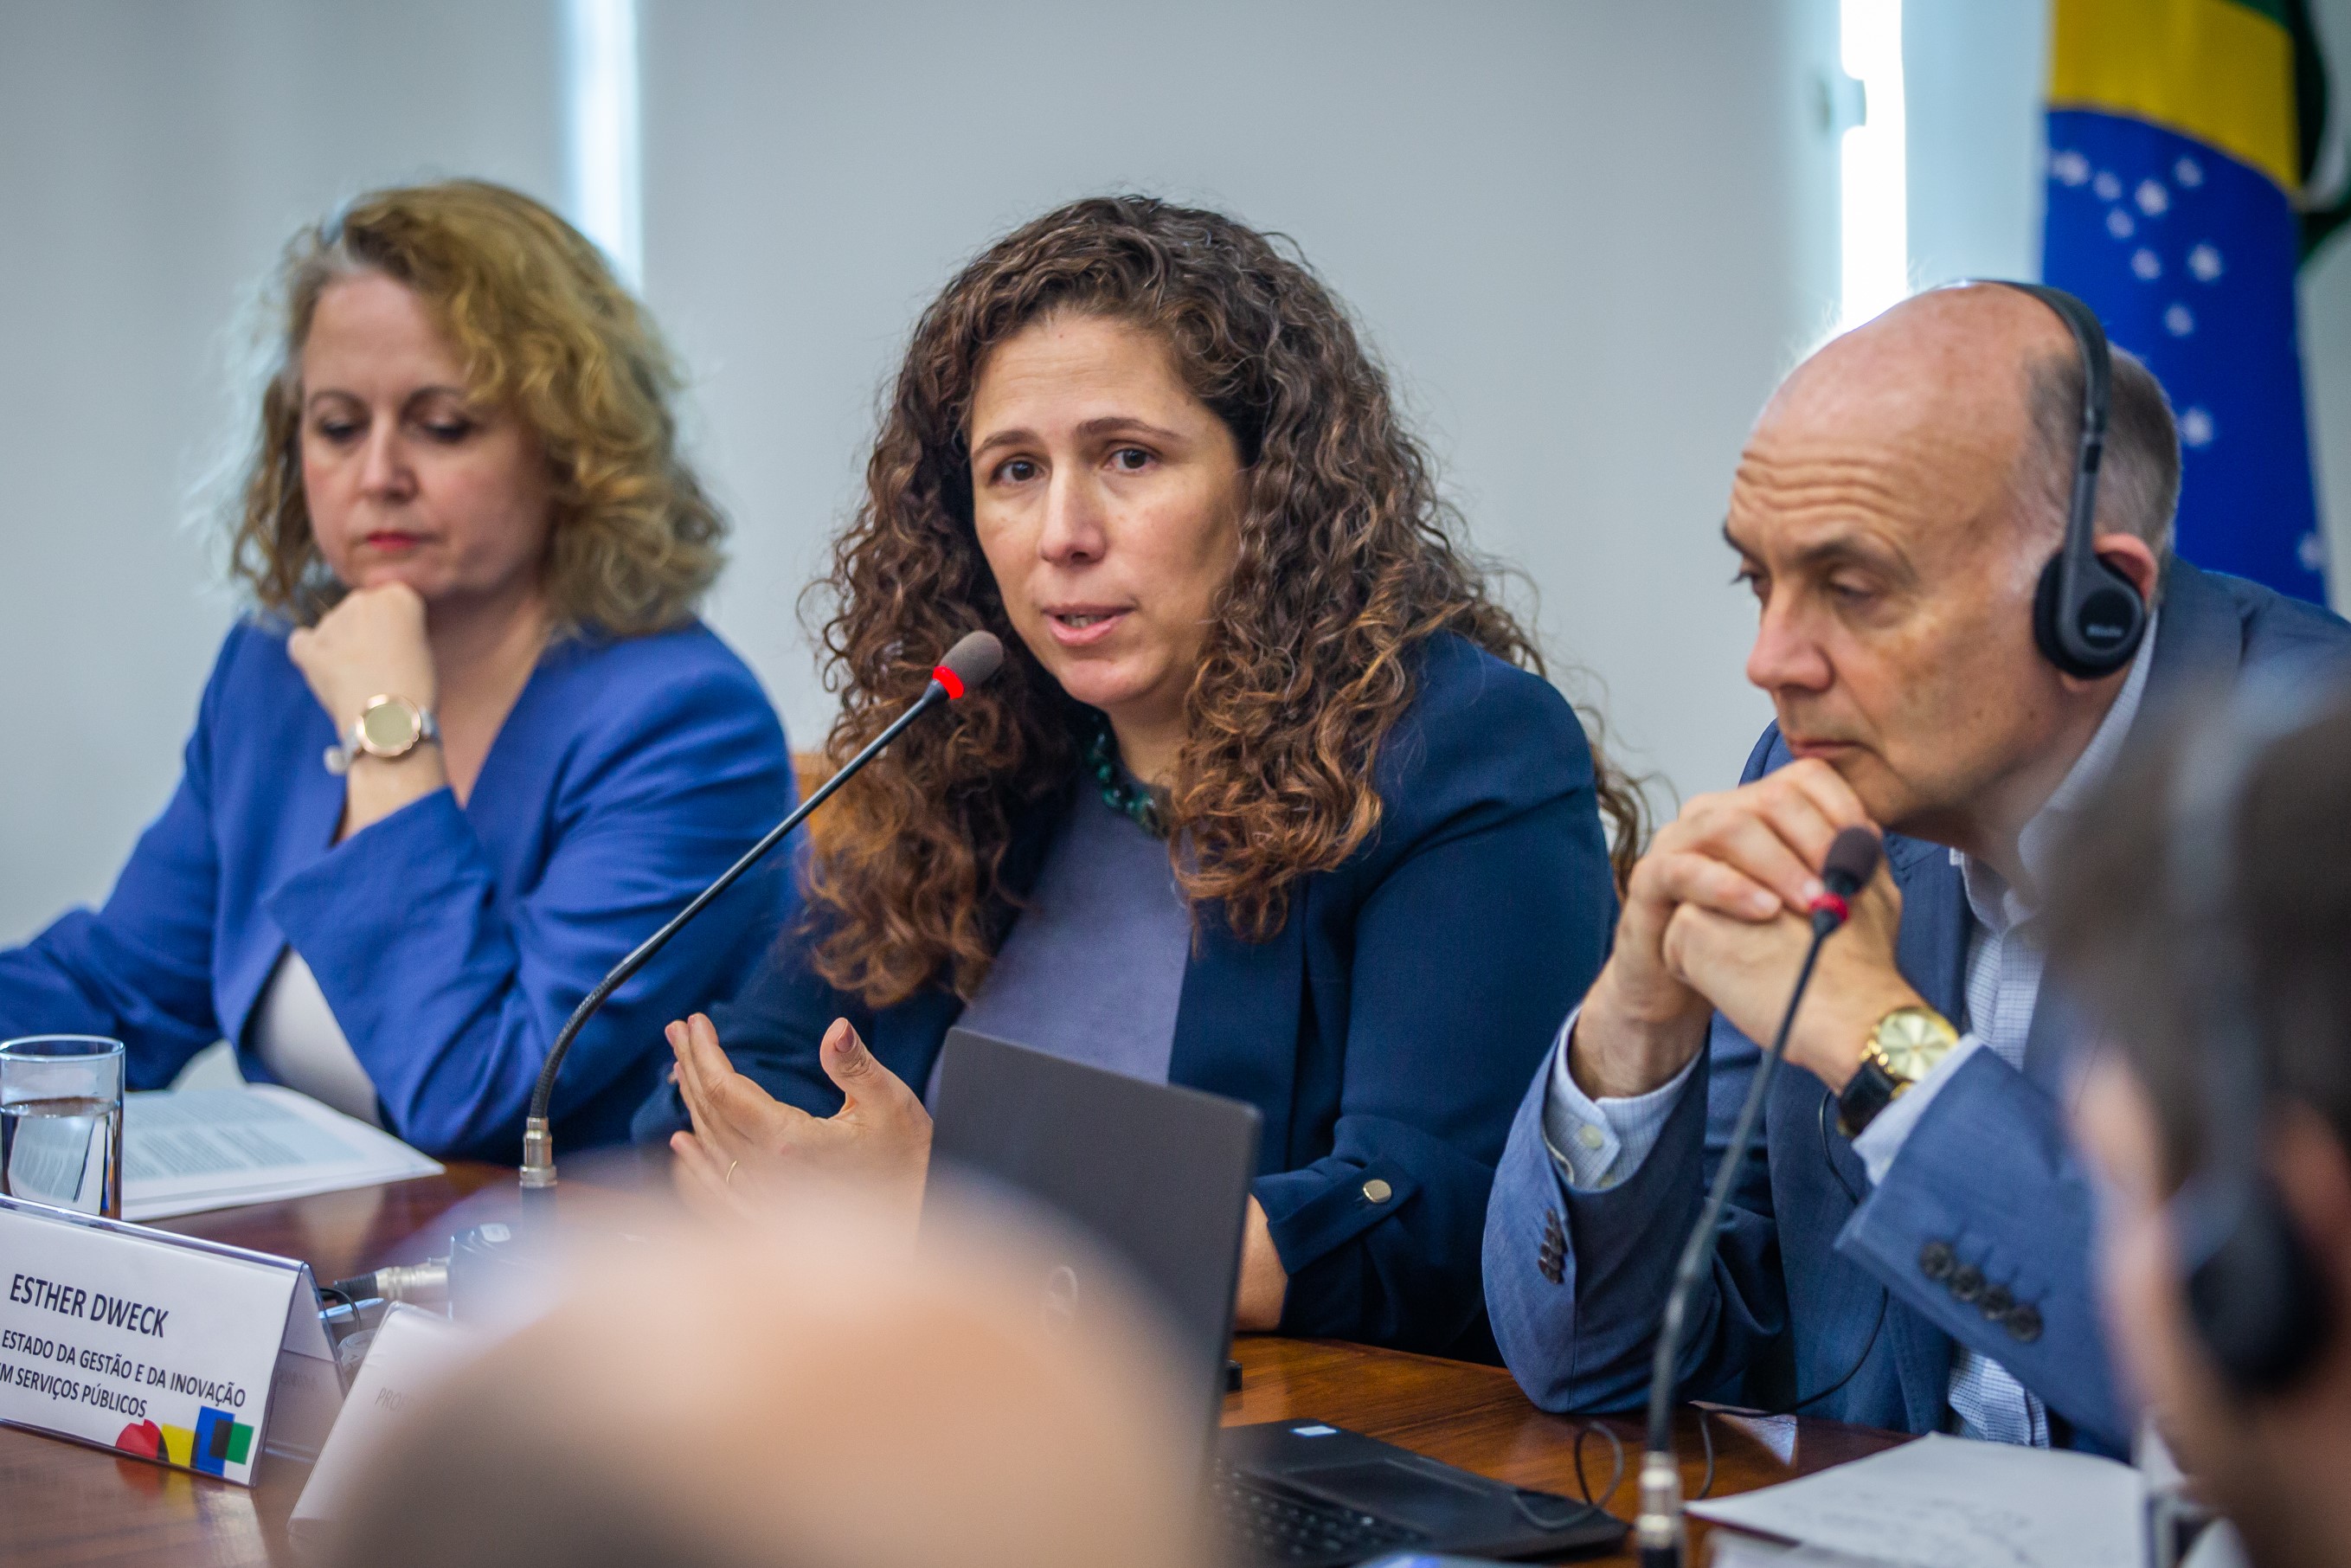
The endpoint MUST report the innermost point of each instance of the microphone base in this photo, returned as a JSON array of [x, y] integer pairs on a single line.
[[500, 1276], [538, 1154], [1661, 1543], [1659, 1534]]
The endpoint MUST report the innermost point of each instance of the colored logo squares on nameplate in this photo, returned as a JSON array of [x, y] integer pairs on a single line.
[[220, 1440], [145, 1440]]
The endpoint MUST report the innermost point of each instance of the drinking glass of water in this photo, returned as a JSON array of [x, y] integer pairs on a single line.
[[61, 1121]]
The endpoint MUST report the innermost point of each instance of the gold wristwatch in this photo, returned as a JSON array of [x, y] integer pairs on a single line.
[[1907, 1044], [388, 727]]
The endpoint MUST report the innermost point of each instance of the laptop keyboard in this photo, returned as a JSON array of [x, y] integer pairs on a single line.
[[1272, 1523]]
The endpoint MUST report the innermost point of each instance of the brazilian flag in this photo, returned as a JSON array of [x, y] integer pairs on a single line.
[[2180, 135]]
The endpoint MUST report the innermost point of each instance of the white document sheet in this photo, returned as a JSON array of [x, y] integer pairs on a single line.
[[1732, 1550], [1950, 1503], [188, 1150]]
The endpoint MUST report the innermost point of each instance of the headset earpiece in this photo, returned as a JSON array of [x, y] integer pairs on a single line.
[[2095, 629], [2257, 1301]]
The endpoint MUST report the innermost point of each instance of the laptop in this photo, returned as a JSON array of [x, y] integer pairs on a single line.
[[1158, 1177]]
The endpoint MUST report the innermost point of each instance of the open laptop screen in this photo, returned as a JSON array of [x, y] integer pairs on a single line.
[[1157, 1177]]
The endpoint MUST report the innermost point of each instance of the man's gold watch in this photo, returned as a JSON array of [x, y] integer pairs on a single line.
[[1905, 1045]]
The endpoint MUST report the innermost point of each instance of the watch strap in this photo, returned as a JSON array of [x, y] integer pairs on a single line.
[[1870, 1090]]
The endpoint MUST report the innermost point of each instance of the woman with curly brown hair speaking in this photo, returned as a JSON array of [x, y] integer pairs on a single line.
[[1266, 801], [473, 553]]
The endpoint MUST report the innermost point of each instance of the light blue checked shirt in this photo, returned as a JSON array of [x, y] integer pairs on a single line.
[[1599, 1142]]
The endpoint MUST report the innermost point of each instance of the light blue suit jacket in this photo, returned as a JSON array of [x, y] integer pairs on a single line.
[[1816, 1299], [451, 941]]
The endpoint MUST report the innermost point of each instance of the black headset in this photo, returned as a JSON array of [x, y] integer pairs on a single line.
[[2253, 1291], [2087, 618]]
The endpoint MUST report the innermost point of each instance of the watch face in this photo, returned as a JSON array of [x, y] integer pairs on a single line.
[[390, 726], [1913, 1040]]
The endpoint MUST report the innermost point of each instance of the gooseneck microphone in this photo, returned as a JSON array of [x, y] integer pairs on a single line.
[[1658, 1530], [970, 663]]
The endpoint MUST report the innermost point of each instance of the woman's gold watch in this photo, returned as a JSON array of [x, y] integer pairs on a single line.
[[1907, 1044], [388, 726]]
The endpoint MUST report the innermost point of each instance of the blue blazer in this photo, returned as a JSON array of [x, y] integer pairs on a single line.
[[1816, 1297], [452, 942], [1384, 1031]]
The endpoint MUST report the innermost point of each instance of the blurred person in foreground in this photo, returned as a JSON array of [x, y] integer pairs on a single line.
[[470, 743], [1909, 1244], [2131, 944], [815, 1399], [1271, 798]]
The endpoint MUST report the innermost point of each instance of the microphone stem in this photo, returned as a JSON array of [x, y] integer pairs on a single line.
[[1659, 1532], [537, 1143]]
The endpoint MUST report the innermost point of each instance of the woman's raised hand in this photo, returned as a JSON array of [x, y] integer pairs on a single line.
[[372, 645], [749, 1150]]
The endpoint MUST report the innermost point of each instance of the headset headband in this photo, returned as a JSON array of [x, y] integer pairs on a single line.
[[2087, 618]]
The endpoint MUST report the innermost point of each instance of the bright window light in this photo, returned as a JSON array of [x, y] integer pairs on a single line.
[[1876, 214], [603, 157]]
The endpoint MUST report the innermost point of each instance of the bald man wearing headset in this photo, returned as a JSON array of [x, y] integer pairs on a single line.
[[1909, 1245]]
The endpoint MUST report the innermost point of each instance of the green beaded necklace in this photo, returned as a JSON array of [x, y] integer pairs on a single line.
[[1126, 798]]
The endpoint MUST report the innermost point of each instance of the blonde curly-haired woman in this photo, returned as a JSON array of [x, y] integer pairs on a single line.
[[471, 743]]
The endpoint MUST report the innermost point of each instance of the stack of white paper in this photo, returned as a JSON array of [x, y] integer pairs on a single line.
[[192, 1149], [1948, 1502]]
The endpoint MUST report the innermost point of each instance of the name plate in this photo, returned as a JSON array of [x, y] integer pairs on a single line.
[[165, 1347], [412, 1350]]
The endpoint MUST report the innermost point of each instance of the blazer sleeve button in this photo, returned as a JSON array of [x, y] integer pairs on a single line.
[[1967, 1284], [1378, 1191], [2024, 1324], [1997, 1302], [1551, 1257], [1935, 1260]]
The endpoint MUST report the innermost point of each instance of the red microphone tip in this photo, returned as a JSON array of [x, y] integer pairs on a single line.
[[975, 656]]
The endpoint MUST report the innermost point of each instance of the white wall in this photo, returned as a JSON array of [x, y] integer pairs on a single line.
[[1588, 239], [1975, 71], [153, 158]]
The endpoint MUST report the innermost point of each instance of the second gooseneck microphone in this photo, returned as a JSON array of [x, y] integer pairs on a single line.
[[1658, 1530], [970, 663]]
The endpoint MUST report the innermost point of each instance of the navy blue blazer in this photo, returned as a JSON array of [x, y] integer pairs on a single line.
[[1817, 1298], [1384, 1031], [450, 942]]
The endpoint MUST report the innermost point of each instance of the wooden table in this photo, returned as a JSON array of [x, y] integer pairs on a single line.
[[61, 1503]]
